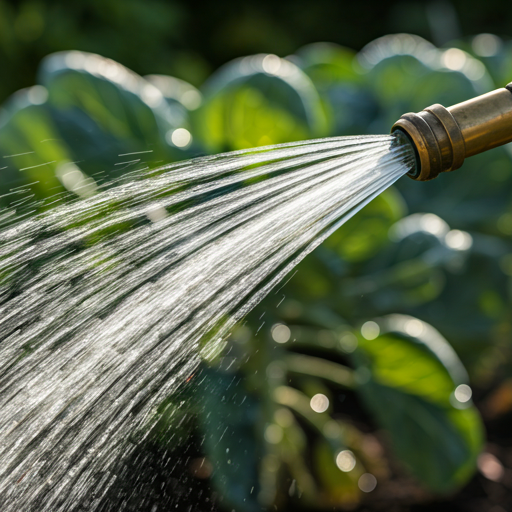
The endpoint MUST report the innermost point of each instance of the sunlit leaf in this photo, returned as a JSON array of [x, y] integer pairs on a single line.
[[340, 487], [30, 149], [363, 235], [406, 73], [410, 382], [227, 416], [113, 120], [337, 76], [257, 101]]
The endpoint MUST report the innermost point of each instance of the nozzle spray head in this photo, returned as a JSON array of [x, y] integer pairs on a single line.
[[444, 137]]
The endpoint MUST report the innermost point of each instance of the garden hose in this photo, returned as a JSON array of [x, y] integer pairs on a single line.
[[444, 137]]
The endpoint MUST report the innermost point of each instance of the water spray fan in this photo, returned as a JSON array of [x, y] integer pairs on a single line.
[[443, 137]]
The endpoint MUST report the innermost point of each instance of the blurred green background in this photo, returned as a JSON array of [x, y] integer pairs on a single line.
[[190, 39], [380, 378]]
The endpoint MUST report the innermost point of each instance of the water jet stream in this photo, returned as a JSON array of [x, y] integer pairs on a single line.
[[104, 301]]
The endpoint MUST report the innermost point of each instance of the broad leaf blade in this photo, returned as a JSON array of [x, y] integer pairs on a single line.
[[411, 374]]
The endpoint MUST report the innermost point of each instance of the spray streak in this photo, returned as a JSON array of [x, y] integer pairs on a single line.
[[102, 312], [38, 165], [19, 154]]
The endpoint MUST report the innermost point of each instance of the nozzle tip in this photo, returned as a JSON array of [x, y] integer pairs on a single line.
[[404, 139], [437, 139]]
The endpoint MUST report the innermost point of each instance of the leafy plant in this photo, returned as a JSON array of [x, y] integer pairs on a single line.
[[356, 322]]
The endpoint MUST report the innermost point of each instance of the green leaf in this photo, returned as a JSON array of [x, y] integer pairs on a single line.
[[439, 446], [338, 78], [407, 73], [409, 374], [310, 366], [494, 52], [176, 91], [107, 114], [256, 101], [327, 63], [408, 272], [30, 149], [364, 235], [227, 418], [339, 487]]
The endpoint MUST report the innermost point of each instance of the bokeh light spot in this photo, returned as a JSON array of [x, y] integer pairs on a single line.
[[191, 99], [273, 434], [156, 213], [319, 403], [490, 467], [181, 137], [458, 240], [271, 64], [463, 393], [414, 327], [370, 330], [454, 59], [475, 70], [348, 342], [486, 45], [37, 95], [367, 482], [74, 180], [281, 333], [346, 461]]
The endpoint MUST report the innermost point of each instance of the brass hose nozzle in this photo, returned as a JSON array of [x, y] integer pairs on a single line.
[[444, 137]]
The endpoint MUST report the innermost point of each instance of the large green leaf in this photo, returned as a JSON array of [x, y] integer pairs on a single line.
[[411, 270], [364, 235], [340, 487], [337, 76], [473, 306], [30, 150], [112, 119], [257, 101], [227, 417], [177, 92], [327, 63], [406, 73], [91, 121], [494, 52], [409, 377]]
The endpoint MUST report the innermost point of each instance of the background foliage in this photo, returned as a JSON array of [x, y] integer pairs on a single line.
[[357, 370]]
